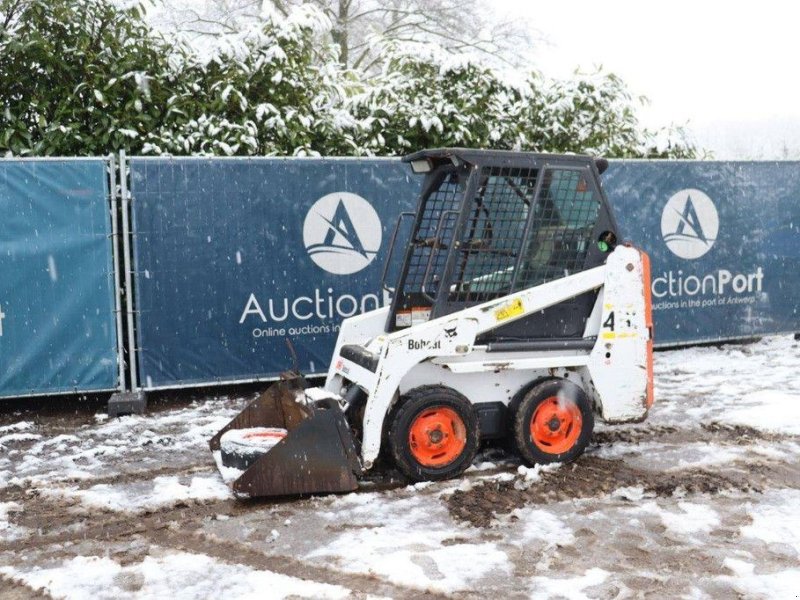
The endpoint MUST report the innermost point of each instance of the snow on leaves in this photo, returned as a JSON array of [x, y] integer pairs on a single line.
[[92, 77]]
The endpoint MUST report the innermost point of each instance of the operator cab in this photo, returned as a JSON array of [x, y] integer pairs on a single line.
[[489, 223]]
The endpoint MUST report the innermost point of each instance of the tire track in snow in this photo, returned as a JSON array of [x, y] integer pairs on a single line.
[[177, 528], [241, 554]]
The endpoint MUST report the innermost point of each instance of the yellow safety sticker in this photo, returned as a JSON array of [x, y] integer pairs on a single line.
[[510, 310], [609, 335]]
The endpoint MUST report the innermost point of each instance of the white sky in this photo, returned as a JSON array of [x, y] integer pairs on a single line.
[[727, 68]]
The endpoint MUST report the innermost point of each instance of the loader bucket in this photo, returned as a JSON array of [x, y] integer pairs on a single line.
[[316, 456]]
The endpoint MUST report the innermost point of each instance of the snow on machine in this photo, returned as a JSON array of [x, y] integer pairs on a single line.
[[515, 315]]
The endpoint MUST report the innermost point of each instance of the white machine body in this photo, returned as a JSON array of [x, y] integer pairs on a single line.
[[616, 372]]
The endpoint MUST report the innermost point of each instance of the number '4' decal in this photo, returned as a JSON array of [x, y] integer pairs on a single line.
[[609, 322]]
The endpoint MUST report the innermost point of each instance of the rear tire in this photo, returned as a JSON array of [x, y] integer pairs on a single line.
[[553, 423], [433, 434]]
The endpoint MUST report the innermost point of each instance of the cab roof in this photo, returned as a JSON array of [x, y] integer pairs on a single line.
[[501, 158]]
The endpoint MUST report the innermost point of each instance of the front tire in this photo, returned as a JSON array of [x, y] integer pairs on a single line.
[[553, 423], [433, 434]]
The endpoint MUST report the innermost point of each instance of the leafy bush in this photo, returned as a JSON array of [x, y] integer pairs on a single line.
[[86, 77], [77, 77]]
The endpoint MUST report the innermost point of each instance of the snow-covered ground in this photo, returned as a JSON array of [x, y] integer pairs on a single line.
[[700, 501]]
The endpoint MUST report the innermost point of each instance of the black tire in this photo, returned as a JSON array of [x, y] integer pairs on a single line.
[[427, 405], [563, 426]]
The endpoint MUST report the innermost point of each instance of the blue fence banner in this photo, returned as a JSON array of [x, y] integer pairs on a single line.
[[57, 322], [232, 256], [724, 243]]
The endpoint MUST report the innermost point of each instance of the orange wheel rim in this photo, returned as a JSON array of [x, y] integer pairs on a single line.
[[437, 437], [556, 425]]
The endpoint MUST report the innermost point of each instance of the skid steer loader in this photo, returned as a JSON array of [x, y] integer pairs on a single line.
[[515, 315]]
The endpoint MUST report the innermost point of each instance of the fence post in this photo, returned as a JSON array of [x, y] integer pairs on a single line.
[[126, 249], [112, 165]]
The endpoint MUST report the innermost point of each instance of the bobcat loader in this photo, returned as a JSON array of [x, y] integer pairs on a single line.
[[515, 315]]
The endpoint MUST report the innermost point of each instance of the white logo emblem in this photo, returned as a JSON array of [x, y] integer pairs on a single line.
[[342, 233], [689, 224]]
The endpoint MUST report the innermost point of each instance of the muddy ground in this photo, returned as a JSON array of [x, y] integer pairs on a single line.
[[682, 505]]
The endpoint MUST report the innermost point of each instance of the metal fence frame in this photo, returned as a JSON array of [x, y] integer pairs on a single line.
[[111, 211], [129, 233], [120, 203], [226, 381], [127, 237], [112, 175]]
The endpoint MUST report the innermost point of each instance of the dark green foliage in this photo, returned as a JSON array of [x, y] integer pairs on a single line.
[[77, 77], [85, 77]]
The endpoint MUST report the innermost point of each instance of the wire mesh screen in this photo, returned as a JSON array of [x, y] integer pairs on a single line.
[[434, 235], [562, 223], [493, 234], [511, 236]]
